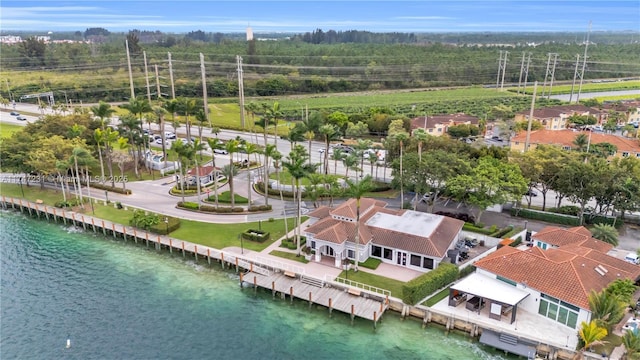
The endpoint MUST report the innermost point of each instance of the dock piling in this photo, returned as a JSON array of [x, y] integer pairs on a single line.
[[330, 307]]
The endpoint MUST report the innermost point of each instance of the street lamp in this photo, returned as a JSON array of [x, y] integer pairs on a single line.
[[166, 222], [106, 196]]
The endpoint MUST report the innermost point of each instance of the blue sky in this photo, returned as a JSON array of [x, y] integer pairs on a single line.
[[301, 16]]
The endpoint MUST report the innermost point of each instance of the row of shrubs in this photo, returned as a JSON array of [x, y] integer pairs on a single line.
[[68, 203], [546, 216], [424, 285], [221, 209], [118, 190], [291, 243], [460, 216]]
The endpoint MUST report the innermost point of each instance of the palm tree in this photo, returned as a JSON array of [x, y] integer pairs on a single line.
[[590, 334], [337, 155], [329, 132], [122, 157], [606, 233], [269, 151], [172, 106], [184, 152], [131, 128], [62, 167], [195, 148], [160, 113], [361, 146], [581, 141], [355, 190], [275, 113], [103, 111], [631, 342], [139, 107], [296, 164], [401, 137], [110, 137], [420, 136], [606, 308], [99, 136], [350, 161], [188, 107], [277, 156], [214, 144], [232, 146], [201, 119], [309, 135], [80, 157]]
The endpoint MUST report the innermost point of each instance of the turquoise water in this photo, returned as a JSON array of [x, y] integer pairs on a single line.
[[118, 300]]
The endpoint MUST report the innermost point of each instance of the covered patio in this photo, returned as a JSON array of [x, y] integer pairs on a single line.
[[478, 290]]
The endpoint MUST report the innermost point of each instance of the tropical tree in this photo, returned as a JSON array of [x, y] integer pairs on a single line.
[[99, 137], [623, 289], [122, 157], [309, 135], [160, 113], [338, 155], [187, 107], [232, 146], [355, 190], [590, 334], [130, 128], [298, 167], [277, 157], [329, 133], [606, 233], [103, 111], [581, 142], [194, 148], [274, 113], [350, 162], [631, 342], [110, 137], [401, 137], [269, 151], [607, 309], [139, 107], [420, 136]]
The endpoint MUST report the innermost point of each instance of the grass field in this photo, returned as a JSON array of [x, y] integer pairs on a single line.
[[7, 129], [382, 282], [588, 87]]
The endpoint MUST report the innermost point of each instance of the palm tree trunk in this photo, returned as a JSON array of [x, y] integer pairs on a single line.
[[107, 150], [233, 197], [286, 223], [299, 190], [101, 163], [197, 180], [64, 195], [79, 188], [215, 190]]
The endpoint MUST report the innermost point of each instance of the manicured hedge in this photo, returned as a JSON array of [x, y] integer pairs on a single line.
[[256, 235], [254, 208], [161, 228], [209, 208], [115, 189], [466, 271], [546, 216], [424, 285], [599, 219], [475, 229]]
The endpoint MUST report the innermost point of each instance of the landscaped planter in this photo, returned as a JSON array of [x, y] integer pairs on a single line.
[[256, 235]]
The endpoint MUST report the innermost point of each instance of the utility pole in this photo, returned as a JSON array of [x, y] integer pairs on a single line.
[[504, 70], [584, 63], [533, 103], [502, 64], [524, 70], [133, 94], [240, 89], [173, 88], [575, 75], [146, 76], [204, 89], [551, 70], [157, 82], [6, 81]]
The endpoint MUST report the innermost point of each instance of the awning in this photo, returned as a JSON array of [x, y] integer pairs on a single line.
[[508, 343], [488, 288]]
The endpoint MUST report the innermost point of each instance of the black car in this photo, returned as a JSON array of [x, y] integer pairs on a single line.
[[15, 113], [531, 193]]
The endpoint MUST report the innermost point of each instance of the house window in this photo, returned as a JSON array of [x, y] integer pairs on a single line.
[[430, 130], [566, 148], [638, 155], [388, 254], [416, 260], [351, 254], [313, 244], [440, 130], [625, 154], [376, 251], [559, 311], [428, 263], [517, 142]]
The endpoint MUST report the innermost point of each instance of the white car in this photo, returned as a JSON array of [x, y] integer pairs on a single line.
[[169, 135], [220, 151], [158, 141]]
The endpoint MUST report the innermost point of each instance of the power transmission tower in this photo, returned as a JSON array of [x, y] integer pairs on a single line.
[[502, 65], [126, 45], [584, 63], [240, 89], [524, 70], [173, 87], [551, 70], [204, 89]]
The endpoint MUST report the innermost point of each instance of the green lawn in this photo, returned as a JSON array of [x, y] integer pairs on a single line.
[[382, 282], [290, 256], [437, 297], [7, 129]]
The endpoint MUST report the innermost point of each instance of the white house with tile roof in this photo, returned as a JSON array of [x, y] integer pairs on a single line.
[[560, 278], [407, 238]]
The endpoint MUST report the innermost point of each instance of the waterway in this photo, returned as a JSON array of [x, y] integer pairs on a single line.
[[117, 300]]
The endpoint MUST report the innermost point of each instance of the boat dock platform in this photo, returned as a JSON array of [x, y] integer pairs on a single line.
[[336, 294]]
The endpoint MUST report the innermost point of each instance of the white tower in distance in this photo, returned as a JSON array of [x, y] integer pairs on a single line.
[[249, 33]]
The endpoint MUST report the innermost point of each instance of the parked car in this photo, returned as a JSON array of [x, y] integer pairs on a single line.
[[158, 141], [169, 135], [426, 197], [531, 192], [21, 118], [15, 113], [220, 151], [470, 241]]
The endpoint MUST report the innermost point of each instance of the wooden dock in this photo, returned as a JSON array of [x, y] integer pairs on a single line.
[[358, 300], [351, 300]]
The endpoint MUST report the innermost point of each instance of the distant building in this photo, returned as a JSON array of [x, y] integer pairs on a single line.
[[564, 138], [249, 33], [10, 39], [439, 124], [629, 109], [556, 117]]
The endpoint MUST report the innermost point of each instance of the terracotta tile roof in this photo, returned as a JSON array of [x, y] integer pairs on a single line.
[[319, 213], [557, 111], [452, 119], [348, 208], [566, 138], [568, 273], [339, 231], [558, 236]]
